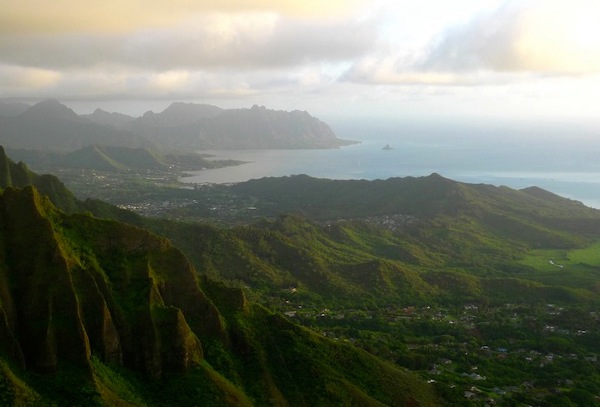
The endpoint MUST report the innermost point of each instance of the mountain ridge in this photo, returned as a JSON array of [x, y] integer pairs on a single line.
[[51, 109], [51, 125]]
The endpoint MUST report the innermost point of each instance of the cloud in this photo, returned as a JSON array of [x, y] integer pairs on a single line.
[[507, 44], [118, 16], [290, 51], [14, 78], [524, 36], [215, 40], [126, 83]]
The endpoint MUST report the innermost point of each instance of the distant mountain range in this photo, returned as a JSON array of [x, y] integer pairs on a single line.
[[50, 125]]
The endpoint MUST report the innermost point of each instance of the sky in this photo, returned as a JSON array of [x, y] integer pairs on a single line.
[[536, 60]]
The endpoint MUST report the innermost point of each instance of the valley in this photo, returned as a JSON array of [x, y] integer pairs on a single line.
[[299, 203], [450, 283]]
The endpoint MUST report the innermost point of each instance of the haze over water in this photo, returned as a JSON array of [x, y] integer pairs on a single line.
[[560, 159]]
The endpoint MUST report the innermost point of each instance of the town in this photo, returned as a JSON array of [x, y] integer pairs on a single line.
[[487, 354]]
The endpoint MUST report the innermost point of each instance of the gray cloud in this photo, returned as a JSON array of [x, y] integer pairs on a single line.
[[205, 43]]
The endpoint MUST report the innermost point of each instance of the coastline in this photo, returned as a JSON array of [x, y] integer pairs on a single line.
[[369, 161]]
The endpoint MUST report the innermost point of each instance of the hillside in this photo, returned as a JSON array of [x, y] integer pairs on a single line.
[[103, 313], [8, 109], [471, 286], [49, 125], [108, 158], [112, 119], [19, 176], [528, 215], [116, 159]]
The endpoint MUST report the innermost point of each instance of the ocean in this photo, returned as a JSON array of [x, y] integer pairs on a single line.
[[567, 166]]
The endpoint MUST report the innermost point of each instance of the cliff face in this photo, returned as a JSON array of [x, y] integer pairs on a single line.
[[73, 285], [18, 175]]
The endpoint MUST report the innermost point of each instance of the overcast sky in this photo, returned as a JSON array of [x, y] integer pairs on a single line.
[[536, 59]]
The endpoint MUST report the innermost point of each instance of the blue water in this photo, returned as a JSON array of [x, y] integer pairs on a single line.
[[566, 168]]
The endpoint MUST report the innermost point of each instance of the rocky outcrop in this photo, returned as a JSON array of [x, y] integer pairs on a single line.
[[73, 285]]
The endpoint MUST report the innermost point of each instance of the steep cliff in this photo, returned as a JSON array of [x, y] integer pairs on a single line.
[[18, 175], [77, 285]]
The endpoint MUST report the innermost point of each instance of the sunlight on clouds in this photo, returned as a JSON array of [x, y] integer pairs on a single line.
[[549, 36], [118, 16], [561, 38], [222, 33], [231, 92], [13, 77], [211, 41], [170, 81], [388, 71]]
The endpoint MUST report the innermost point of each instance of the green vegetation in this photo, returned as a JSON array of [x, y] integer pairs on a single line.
[[97, 312], [428, 292], [572, 268]]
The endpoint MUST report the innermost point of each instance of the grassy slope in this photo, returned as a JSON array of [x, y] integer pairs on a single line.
[[568, 267]]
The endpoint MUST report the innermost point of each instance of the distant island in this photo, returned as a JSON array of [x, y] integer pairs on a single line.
[[387, 147], [50, 125]]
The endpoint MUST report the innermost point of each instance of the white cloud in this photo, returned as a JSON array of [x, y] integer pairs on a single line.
[[555, 37], [494, 46]]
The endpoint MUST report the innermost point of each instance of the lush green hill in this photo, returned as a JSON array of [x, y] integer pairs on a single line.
[[352, 263], [19, 175], [415, 225], [121, 313], [423, 197]]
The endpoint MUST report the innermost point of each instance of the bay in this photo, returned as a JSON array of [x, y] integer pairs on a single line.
[[569, 170]]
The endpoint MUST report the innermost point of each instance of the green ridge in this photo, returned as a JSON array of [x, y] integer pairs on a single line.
[[110, 311]]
